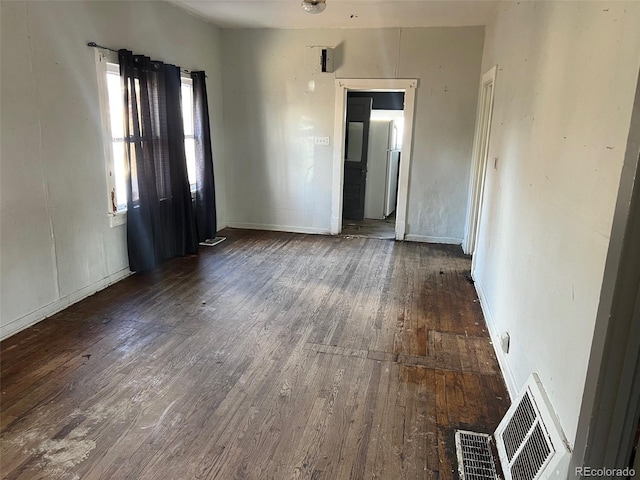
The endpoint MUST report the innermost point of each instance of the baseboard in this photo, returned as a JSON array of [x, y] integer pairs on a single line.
[[280, 228], [410, 237], [507, 374], [40, 314]]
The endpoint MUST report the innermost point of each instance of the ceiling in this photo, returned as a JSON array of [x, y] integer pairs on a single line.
[[341, 13]]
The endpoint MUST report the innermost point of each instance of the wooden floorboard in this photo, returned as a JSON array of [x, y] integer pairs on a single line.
[[269, 356]]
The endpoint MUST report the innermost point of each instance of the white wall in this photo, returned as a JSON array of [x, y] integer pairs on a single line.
[[57, 245], [275, 104], [563, 96]]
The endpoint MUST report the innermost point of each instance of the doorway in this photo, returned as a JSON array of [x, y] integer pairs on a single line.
[[479, 161], [373, 148], [342, 138]]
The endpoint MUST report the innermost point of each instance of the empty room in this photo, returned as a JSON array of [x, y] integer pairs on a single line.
[[319, 239]]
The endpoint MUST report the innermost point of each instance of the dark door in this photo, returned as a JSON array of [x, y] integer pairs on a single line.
[[355, 163]]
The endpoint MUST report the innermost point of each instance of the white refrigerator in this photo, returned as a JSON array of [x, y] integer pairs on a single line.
[[383, 162]]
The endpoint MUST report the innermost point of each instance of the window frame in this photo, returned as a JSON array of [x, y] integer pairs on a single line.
[[105, 59], [118, 217]]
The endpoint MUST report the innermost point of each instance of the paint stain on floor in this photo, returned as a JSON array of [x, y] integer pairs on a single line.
[[67, 452], [55, 456]]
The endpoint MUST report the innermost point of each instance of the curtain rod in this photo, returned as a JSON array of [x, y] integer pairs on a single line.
[[95, 45]]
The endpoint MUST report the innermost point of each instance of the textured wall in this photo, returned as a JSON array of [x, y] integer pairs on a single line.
[[564, 92], [57, 244], [275, 104]]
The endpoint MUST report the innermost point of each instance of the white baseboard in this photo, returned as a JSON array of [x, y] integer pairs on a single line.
[[40, 314], [280, 228], [507, 374], [410, 237]]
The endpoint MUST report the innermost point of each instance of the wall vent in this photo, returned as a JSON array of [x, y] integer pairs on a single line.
[[322, 59], [529, 439]]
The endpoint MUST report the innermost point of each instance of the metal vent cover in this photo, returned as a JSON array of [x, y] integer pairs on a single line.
[[475, 460], [520, 424], [533, 456], [529, 438]]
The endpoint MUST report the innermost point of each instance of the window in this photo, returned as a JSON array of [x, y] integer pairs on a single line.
[[114, 138], [189, 138], [118, 191]]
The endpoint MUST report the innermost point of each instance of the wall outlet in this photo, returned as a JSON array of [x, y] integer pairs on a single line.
[[321, 141]]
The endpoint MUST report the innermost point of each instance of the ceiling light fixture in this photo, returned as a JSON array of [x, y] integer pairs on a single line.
[[314, 6]]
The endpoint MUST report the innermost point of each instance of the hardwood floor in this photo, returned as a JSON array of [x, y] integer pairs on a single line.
[[269, 356], [370, 228]]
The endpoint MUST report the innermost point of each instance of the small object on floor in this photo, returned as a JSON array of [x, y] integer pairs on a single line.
[[210, 242], [441, 272], [469, 278]]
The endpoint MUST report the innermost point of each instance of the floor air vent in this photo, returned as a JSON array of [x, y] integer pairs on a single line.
[[475, 461], [529, 438]]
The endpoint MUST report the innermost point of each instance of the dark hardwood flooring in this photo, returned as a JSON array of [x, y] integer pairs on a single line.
[[269, 356]]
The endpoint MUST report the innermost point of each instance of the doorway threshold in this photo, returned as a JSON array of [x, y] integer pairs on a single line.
[[370, 228]]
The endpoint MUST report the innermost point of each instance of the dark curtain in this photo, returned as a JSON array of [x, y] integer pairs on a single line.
[[160, 217], [205, 190]]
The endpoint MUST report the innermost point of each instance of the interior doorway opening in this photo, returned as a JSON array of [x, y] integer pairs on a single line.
[[384, 201], [479, 161], [373, 149]]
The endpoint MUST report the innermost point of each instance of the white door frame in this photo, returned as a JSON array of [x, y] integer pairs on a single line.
[[479, 160], [374, 85]]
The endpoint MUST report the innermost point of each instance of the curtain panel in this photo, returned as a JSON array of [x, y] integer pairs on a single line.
[[160, 214], [205, 201]]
